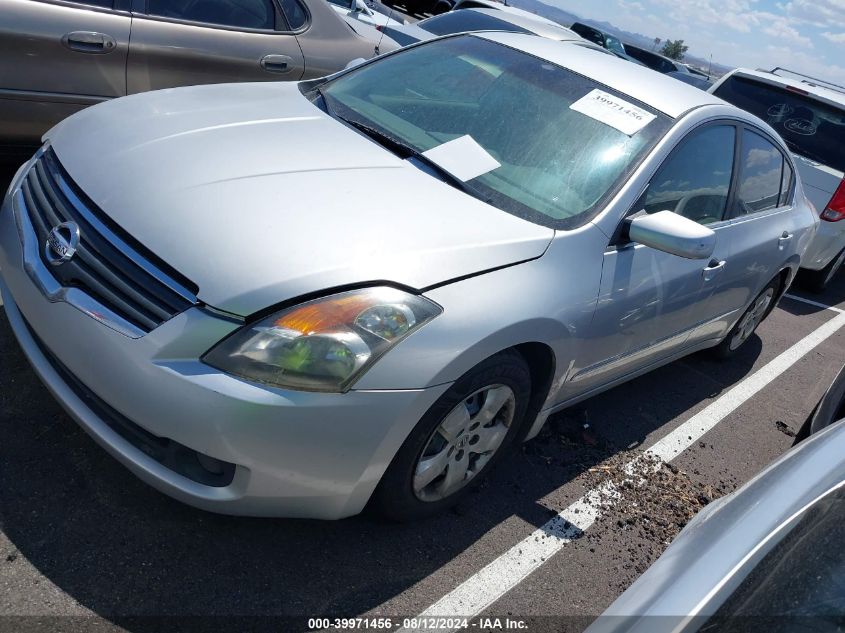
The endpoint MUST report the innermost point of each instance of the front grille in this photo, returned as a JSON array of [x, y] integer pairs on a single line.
[[109, 265]]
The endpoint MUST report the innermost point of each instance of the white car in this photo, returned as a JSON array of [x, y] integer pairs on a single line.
[[358, 10], [498, 6], [810, 116]]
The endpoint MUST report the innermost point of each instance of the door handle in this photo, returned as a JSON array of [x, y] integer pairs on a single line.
[[276, 63], [783, 240], [713, 269], [89, 42]]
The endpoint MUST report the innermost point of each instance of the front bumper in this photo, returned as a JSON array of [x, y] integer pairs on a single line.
[[295, 454]]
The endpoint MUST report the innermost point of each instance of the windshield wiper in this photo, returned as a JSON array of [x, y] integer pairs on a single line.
[[407, 152]]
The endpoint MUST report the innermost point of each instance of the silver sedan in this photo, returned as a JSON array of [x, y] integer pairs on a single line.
[[298, 299]]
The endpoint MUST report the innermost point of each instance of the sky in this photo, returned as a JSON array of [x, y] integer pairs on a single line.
[[803, 35]]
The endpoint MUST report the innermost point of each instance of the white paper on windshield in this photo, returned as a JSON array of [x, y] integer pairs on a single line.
[[613, 111], [463, 158]]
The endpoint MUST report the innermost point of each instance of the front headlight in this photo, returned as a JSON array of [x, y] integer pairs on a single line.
[[325, 344]]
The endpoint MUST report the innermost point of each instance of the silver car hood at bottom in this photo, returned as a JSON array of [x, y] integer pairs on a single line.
[[257, 196]]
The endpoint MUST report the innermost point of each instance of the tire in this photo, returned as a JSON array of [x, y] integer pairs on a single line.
[[450, 466], [817, 280], [747, 324]]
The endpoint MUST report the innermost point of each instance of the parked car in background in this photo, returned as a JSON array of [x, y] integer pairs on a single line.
[[656, 62], [60, 57], [691, 79], [338, 344], [480, 20], [500, 6], [605, 40], [359, 10], [380, 7], [829, 410], [698, 73], [371, 33], [765, 559], [810, 116]]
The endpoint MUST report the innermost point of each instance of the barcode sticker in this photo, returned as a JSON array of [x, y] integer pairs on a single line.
[[613, 111]]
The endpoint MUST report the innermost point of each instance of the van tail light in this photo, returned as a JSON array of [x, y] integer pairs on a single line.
[[836, 208]]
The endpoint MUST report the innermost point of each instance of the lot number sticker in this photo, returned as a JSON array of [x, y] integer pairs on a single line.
[[612, 111]]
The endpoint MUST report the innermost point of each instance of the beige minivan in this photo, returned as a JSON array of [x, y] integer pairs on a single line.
[[59, 56]]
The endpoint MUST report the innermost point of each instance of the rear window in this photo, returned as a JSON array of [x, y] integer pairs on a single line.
[[461, 21], [810, 128]]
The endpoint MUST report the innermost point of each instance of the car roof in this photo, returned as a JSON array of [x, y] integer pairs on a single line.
[[656, 90], [530, 22], [830, 95]]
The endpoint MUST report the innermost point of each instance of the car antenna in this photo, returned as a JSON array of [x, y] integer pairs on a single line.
[[389, 17]]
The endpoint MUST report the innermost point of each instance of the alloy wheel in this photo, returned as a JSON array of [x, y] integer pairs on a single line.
[[752, 317], [464, 442]]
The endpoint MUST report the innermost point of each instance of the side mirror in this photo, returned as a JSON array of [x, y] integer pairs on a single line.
[[673, 233], [359, 7]]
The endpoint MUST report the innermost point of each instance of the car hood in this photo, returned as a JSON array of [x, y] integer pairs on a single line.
[[257, 196]]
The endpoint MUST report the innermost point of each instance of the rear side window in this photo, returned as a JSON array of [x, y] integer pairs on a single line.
[[810, 128], [295, 14], [762, 175], [250, 14], [460, 21], [785, 185], [695, 180]]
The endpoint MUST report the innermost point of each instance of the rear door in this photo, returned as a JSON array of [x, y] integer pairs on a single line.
[[58, 57], [189, 42], [765, 228]]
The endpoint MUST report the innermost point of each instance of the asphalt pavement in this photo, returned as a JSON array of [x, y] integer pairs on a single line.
[[84, 545]]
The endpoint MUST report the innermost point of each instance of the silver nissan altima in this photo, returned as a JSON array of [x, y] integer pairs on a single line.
[[301, 299]]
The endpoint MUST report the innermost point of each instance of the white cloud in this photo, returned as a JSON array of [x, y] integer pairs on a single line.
[[817, 12], [836, 38]]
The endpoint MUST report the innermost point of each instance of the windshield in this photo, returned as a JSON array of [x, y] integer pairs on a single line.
[[810, 128], [555, 164]]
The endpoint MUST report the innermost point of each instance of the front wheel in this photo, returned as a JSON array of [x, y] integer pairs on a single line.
[[457, 441], [747, 324]]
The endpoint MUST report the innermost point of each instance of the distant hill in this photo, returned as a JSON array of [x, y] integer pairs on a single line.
[[637, 39]]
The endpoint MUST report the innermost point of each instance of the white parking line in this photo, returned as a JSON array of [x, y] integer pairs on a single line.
[[492, 582], [812, 303]]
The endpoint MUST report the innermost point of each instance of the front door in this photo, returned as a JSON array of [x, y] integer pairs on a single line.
[[57, 59], [650, 301]]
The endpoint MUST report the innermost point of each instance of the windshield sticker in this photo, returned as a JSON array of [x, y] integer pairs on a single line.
[[463, 158], [612, 111], [804, 127]]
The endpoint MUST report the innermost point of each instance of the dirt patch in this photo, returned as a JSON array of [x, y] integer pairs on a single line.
[[644, 502]]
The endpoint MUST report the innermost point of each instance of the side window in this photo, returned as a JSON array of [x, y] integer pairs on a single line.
[[695, 180], [762, 175], [249, 14], [295, 14]]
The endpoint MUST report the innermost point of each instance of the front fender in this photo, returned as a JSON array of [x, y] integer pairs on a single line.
[[533, 302]]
